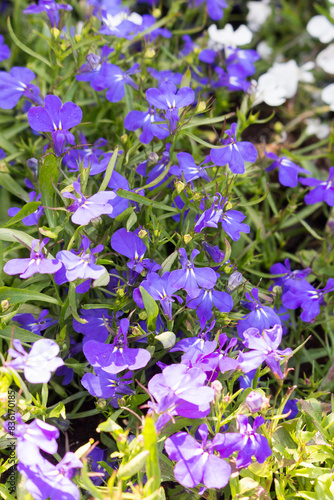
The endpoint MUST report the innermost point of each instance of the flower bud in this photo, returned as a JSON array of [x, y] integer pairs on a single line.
[[5, 305], [201, 106], [120, 293], [254, 401], [55, 33], [234, 281], [77, 37], [32, 163], [152, 159], [278, 127], [124, 138], [101, 403], [93, 60], [179, 186], [142, 233], [142, 315], [149, 53], [187, 238], [156, 13], [217, 387]]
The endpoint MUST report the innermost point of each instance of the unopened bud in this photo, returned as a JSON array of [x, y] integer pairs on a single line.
[[179, 186], [278, 127], [64, 46], [120, 293], [93, 61], [156, 13], [197, 196], [149, 53], [124, 138], [101, 403], [55, 33], [135, 330], [201, 106], [234, 281], [217, 387], [5, 305], [152, 159], [187, 238], [228, 205], [256, 401], [142, 315], [142, 233], [32, 163], [77, 37]]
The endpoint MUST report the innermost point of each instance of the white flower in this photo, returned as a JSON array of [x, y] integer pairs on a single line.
[[325, 59], [327, 95], [227, 37], [268, 90], [264, 50], [257, 14], [320, 27], [288, 75], [113, 21], [315, 127]]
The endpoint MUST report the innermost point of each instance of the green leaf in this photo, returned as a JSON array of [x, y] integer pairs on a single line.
[[28, 209], [151, 445], [18, 296], [185, 82], [207, 121], [109, 171], [4, 493], [131, 221], [19, 333], [73, 304], [168, 262], [145, 201], [87, 484], [15, 236], [8, 183], [151, 309], [135, 465], [48, 176], [23, 47]]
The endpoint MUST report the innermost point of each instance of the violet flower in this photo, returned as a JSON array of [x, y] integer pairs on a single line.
[[197, 462], [188, 168], [160, 289], [289, 277], [206, 300], [4, 49], [93, 71], [15, 84], [46, 481], [323, 190], [165, 76], [116, 79], [146, 120], [259, 317], [107, 386], [37, 263], [288, 171], [215, 8], [95, 328], [79, 266], [129, 244], [247, 442], [32, 219], [56, 119], [169, 99], [84, 210], [264, 348], [50, 7], [116, 357], [303, 294], [234, 153], [39, 363], [28, 321], [190, 278]]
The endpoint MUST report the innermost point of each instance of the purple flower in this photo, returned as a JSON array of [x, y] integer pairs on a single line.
[[32, 219], [15, 84], [92, 71], [28, 321], [116, 79], [165, 76], [116, 357], [4, 49], [56, 119], [129, 244], [233, 79], [289, 277], [206, 300], [190, 278], [291, 406], [260, 316], [50, 7], [39, 363], [79, 266], [288, 171], [160, 289], [95, 328], [169, 99], [323, 190], [303, 294], [46, 481], [196, 462], [32, 437], [234, 153], [215, 253], [247, 442], [146, 120], [215, 8], [107, 386], [263, 348], [188, 168], [119, 22], [183, 390], [242, 60], [84, 210], [231, 220], [37, 263]]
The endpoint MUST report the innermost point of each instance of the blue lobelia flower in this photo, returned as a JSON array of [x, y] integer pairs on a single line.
[[92, 71], [197, 462], [50, 7], [95, 328], [289, 277], [206, 300], [259, 317], [28, 321], [303, 294], [190, 278], [115, 80], [56, 119], [165, 76], [86, 209], [147, 121], [323, 190], [37, 263], [132, 246], [4, 49], [16, 84], [107, 386], [116, 357], [247, 442], [233, 79], [39, 363], [169, 99], [118, 21], [288, 171], [188, 168], [264, 348], [234, 153]]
